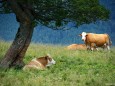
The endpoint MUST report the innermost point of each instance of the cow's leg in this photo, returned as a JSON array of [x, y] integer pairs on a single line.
[[97, 49], [104, 46], [88, 47], [108, 48], [93, 46]]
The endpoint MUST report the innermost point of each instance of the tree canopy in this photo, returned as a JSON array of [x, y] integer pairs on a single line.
[[56, 12]]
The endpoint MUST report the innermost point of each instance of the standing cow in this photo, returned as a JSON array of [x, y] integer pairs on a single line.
[[96, 40]]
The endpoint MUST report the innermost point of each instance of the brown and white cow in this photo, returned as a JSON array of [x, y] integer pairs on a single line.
[[96, 40], [77, 47], [40, 63]]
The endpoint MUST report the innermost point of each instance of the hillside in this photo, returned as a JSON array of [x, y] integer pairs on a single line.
[[72, 68]]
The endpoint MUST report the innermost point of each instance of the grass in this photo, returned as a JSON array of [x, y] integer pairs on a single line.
[[73, 68]]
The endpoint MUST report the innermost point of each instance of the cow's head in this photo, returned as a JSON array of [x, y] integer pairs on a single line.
[[50, 60], [83, 35]]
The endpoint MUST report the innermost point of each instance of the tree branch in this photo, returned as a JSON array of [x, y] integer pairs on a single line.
[[17, 9], [1, 3]]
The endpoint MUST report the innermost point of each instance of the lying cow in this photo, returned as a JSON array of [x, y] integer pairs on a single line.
[[77, 47], [96, 40], [40, 63]]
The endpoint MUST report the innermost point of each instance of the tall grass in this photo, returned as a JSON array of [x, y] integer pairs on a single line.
[[72, 68]]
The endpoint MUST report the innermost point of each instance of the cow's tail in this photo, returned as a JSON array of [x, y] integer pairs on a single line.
[[109, 40]]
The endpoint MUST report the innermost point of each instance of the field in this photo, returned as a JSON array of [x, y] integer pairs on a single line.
[[72, 68]]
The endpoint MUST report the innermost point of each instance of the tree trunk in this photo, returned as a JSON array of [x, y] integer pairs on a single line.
[[16, 52]]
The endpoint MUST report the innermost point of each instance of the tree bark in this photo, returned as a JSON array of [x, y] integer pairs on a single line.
[[16, 52]]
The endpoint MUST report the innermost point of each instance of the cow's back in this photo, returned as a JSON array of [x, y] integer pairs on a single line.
[[81, 47], [77, 47], [33, 64], [72, 47]]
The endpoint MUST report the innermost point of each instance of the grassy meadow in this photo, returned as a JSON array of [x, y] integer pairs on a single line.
[[72, 68]]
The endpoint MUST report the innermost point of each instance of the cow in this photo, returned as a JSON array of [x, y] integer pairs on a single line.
[[96, 40], [40, 63], [77, 47]]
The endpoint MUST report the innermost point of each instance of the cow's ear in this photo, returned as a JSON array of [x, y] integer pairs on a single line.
[[86, 35], [80, 35], [46, 57]]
